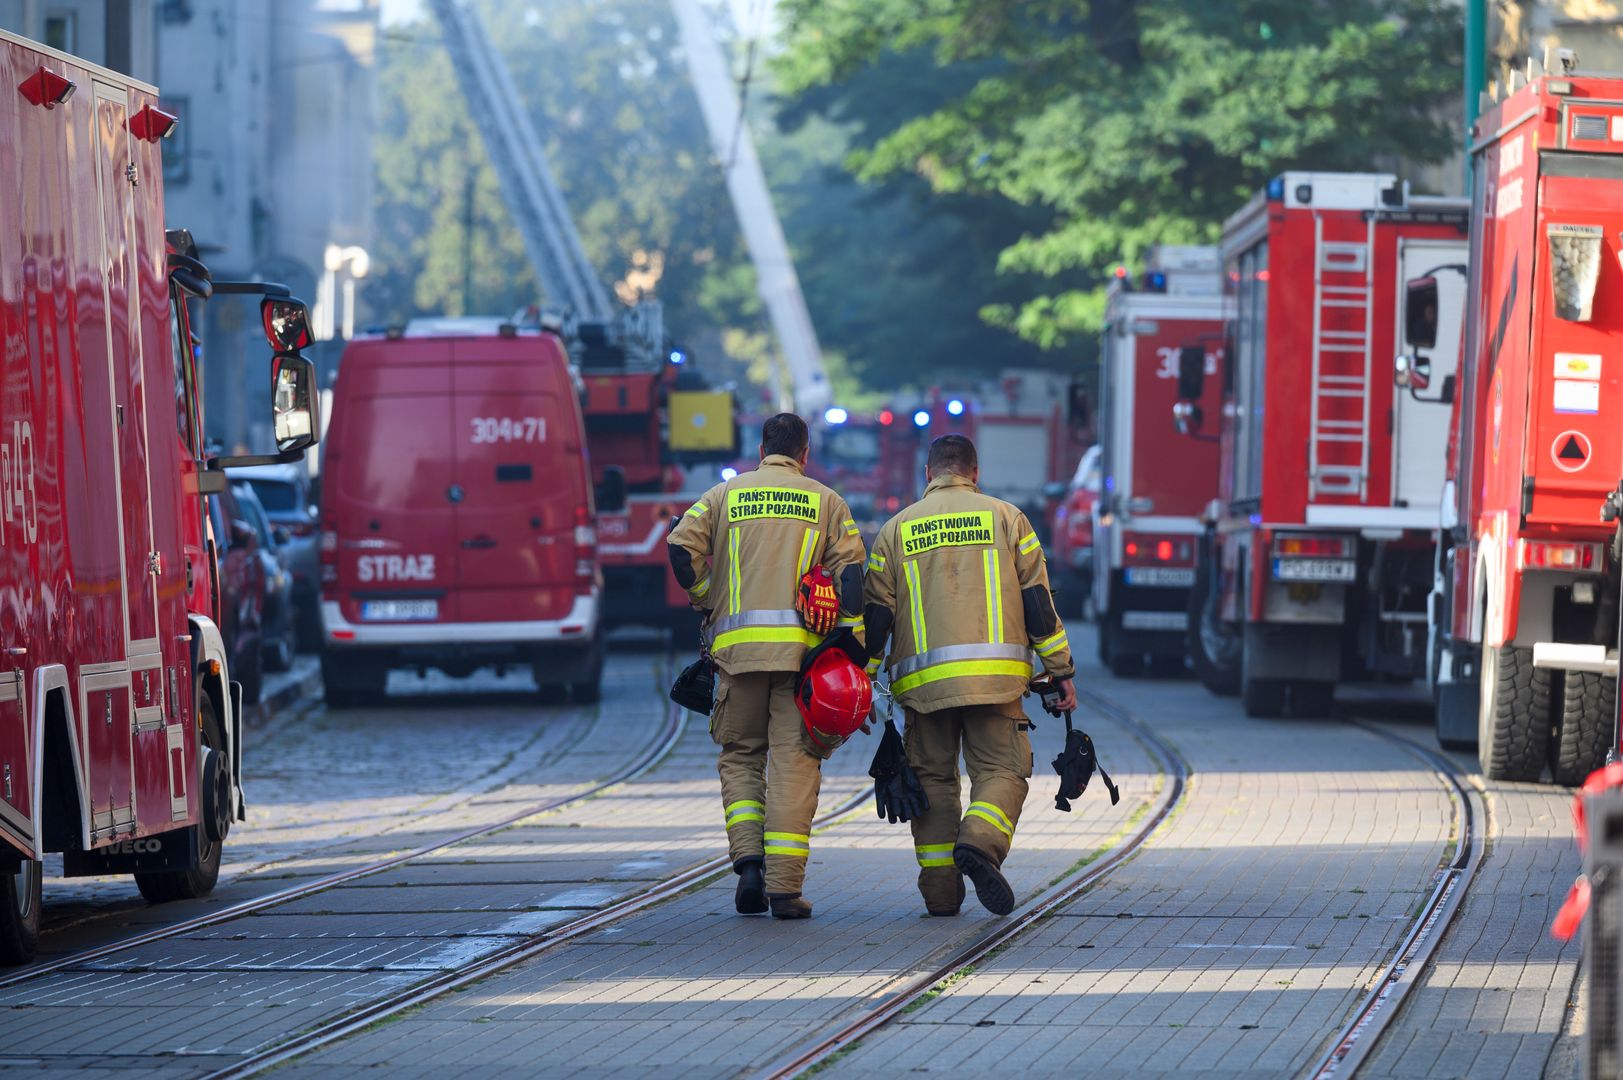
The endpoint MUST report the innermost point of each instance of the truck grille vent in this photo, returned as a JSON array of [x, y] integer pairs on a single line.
[[1588, 128]]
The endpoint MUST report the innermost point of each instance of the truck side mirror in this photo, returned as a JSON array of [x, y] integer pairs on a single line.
[[287, 323], [611, 493], [1420, 313], [1191, 372], [1188, 417], [1412, 372], [295, 403]]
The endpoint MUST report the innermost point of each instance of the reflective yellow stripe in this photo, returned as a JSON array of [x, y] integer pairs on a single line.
[[1029, 543], [1052, 644], [851, 528], [915, 595], [958, 669], [698, 509], [744, 810], [781, 843], [987, 812], [808, 543], [876, 562], [732, 571], [992, 567], [850, 620], [700, 587], [934, 854], [873, 667], [756, 635]]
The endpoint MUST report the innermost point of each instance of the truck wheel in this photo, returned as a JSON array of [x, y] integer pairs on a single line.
[[251, 674], [19, 913], [1214, 647], [163, 886], [1457, 709], [1513, 721], [1312, 697], [1121, 663], [1263, 698], [1584, 732], [589, 690]]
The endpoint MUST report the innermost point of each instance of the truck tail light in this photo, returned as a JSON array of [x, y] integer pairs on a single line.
[[585, 552], [1149, 550], [1574, 268], [1313, 547], [329, 558], [1557, 555]]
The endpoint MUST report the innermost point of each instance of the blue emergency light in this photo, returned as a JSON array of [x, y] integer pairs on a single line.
[[921, 418]]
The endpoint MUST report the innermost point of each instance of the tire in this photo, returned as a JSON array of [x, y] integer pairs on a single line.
[[1514, 718], [589, 691], [1261, 698], [251, 675], [1583, 733], [347, 683], [1214, 649], [19, 913], [1312, 697], [163, 887], [1121, 664]]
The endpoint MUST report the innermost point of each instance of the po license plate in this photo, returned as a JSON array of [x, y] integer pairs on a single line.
[[1173, 576], [400, 610], [1315, 569]]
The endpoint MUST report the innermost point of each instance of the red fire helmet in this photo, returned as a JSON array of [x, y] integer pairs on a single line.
[[834, 697]]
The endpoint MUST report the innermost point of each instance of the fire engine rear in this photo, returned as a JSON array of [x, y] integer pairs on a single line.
[[120, 725], [1317, 559], [1524, 612], [1155, 483]]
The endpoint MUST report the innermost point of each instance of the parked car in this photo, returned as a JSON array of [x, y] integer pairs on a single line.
[[241, 591], [277, 632], [285, 491], [1071, 564]]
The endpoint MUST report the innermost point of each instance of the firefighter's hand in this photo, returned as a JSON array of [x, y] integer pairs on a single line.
[[1067, 696], [817, 602]]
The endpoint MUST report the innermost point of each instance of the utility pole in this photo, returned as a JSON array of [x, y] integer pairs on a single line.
[[1476, 58], [467, 240]]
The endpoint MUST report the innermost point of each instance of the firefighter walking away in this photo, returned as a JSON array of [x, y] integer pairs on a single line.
[[773, 560], [958, 584]]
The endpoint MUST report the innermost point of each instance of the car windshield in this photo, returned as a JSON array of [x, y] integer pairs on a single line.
[[276, 495]]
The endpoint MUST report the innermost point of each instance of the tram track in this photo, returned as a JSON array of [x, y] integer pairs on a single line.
[[665, 740]]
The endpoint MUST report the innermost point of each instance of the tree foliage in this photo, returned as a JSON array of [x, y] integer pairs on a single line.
[[1129, 123]]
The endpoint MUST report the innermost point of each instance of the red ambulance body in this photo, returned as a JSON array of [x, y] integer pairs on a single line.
[[1524, 616], [1156, 482], [1317, 560], [120, 725]]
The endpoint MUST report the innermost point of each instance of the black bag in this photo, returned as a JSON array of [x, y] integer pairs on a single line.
[[695, 688]]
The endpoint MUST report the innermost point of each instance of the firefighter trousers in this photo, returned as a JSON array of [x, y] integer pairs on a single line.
[[997, 752], [769, 782]]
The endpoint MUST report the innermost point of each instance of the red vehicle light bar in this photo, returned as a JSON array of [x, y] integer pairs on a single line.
[[1557, 555], [1150, 550], [1301, 546]]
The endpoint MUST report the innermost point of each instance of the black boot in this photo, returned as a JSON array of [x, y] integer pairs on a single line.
[[991, 887], [790, 907], [750, 896]]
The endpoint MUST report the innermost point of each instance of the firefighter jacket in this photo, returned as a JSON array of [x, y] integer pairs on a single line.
[[960, 577], [741, 550]]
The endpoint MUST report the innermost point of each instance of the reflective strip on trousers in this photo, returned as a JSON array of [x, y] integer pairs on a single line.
[[1051, 644], [782, 843], [987, 812], [915, 596], [768, 625], [992, 566], [934, 854], [732, 570], [745, 810]]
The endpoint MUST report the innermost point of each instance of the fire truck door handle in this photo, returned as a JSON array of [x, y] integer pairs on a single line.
[[17, 650], [479, 542]]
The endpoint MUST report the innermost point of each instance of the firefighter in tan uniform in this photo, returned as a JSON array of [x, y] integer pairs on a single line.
[[959, 578], [742, 552]]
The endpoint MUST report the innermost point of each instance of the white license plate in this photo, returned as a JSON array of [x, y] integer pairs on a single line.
[[1315, 569], [399, 610], [1171, 576]]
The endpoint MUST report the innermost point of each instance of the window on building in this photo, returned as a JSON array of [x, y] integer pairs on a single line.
[[61, 31]]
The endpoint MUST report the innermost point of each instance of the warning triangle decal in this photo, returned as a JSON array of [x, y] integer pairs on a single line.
[[1573, 450]]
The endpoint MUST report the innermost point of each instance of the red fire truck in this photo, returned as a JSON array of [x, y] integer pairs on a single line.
[[1156, 483], [1524, 614], [871, 460], [646, 420], [120, 725], [1317, 559]]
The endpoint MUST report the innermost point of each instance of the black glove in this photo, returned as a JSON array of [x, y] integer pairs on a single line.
[[1075, 766], [695, 687], [897, 792]]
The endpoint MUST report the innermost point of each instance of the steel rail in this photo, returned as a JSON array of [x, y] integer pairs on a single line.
[[534, 945], [664, 742], [1358, 1037], [903, 991]]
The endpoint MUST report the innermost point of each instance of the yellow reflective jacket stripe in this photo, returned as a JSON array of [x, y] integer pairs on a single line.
[[774, 635], [915, 593], [700, 587], [955, 669], [993, 568], [1051, 644], [876, 562], [732, 571], [1029, 543], [698, 509]]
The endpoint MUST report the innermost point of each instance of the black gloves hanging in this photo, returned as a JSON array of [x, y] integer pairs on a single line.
[[695, 687], [897, 792], [1075, 766]]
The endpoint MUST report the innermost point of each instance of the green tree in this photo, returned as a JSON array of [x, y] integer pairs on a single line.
[[1134, 122]]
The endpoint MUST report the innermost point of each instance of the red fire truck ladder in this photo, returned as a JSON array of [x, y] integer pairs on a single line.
[[1343, 312]]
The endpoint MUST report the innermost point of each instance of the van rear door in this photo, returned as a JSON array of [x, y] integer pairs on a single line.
[[391, 469], [517, 440]]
